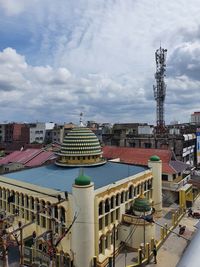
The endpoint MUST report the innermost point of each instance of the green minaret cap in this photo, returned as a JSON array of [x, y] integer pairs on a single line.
[[82, 179], [154, 158], [141, 204]]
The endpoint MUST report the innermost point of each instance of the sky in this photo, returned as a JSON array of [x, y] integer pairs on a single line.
[[60, 58]]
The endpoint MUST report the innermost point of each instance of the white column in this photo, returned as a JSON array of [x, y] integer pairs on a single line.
[[156, 167], [83, 243]]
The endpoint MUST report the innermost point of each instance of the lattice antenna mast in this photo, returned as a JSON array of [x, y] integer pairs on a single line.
[[160, 88]]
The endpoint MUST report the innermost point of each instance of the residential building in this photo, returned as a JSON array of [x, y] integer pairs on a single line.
[[195, 118], [181, 139], [38, 131], [28, 158], [16, 133]]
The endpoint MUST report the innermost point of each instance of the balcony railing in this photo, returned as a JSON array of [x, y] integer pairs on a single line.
[[175, 185]]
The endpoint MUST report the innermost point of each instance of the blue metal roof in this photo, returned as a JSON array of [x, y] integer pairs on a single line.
[[60, 178]]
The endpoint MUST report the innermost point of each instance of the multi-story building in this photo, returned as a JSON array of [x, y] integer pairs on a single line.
[[38, 131], [181, 140], [16, 132], [2, 132], [195, 118]]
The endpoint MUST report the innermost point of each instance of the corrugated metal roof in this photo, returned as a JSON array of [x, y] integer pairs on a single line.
[[58, 178], [29, 157]]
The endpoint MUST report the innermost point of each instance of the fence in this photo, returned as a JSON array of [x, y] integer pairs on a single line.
[[164, 233], [34, 257]]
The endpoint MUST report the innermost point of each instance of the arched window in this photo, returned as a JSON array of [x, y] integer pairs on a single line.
[[122, 197], [101, 208], [4, 194], [106, 241], [112, 202], [56, 211], [149, 184], [130, 192], [17, 198], [107, 205], [26, 201], [32, 203], [101, 245], [49, 209], [22, 200], [62, 215], [117, 200], [42, 206], [138, 189], [126, 195]]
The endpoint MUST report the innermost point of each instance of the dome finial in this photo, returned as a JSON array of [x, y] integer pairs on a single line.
[[81, 121]]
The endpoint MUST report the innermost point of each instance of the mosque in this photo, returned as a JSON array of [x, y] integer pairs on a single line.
[[91, 206]]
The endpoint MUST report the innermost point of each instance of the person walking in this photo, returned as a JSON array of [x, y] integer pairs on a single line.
[[155, 254]]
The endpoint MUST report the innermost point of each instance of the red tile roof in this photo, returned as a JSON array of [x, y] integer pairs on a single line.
[[140, 156]]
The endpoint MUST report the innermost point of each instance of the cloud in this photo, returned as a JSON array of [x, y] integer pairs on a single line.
[[97, 56], [57, 94]]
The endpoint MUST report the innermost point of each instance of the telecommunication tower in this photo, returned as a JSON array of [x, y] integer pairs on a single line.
[[160, 88]]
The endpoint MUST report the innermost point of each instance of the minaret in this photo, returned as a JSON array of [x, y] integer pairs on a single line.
[[83, 244], [156, 165], [81, 120]]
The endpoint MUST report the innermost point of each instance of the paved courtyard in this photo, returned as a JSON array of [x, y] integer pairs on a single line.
[[173, 248]]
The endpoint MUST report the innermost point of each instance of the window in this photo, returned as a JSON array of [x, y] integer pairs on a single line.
[[112, 239], [112, 202], [126, 195], [62, 214], [149, 184], [130, 192], [100, 224], [112, 217], [56, 211], [138, 189], [165, 177], [27, 202], [106, 242], [147, 145], [117, 214], [117, 200], [107, 205], [122, 197], [101, 245], [117, 234], [101, 208], [22, 200], [43, 221], [32, 203], [106, 220]]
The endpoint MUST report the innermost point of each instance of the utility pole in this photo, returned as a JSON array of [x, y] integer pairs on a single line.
[[4, 236], [144, 237], [21, 243], [114, 244], [4, 247]]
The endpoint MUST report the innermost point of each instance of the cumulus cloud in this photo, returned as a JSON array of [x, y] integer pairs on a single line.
[[57, 94]]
